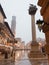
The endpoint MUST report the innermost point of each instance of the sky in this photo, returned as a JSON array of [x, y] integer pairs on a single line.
[[19, 8]]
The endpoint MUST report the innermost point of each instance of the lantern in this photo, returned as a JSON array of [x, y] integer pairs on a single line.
[[40, 23]]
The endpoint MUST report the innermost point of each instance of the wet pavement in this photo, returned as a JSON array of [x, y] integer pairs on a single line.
[[26, 61], [22, 59]]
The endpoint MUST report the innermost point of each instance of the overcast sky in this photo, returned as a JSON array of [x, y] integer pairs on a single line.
[[19, 8]]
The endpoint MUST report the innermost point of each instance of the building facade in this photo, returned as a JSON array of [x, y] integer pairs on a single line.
[[6, 36], [44, 4]]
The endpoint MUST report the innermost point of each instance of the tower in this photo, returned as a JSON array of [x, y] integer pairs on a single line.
[[13, 25], [32, 11]]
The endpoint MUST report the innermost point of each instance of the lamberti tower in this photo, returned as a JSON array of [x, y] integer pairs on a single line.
[[13, 25]]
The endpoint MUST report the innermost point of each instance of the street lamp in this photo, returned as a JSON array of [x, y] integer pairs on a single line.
[[40, 23]]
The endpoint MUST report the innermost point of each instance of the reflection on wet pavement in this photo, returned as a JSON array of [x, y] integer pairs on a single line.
[[26, 61]]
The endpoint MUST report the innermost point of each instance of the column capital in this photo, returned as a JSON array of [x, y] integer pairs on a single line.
[[32, 9]]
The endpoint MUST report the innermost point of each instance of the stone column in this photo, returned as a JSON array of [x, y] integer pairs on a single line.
[[34, 52], [32, 11]]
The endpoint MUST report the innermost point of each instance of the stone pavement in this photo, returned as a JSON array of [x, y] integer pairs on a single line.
[[6, 62]]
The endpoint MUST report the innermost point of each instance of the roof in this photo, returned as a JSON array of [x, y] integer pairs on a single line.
[[7, 25], [1, 9]]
